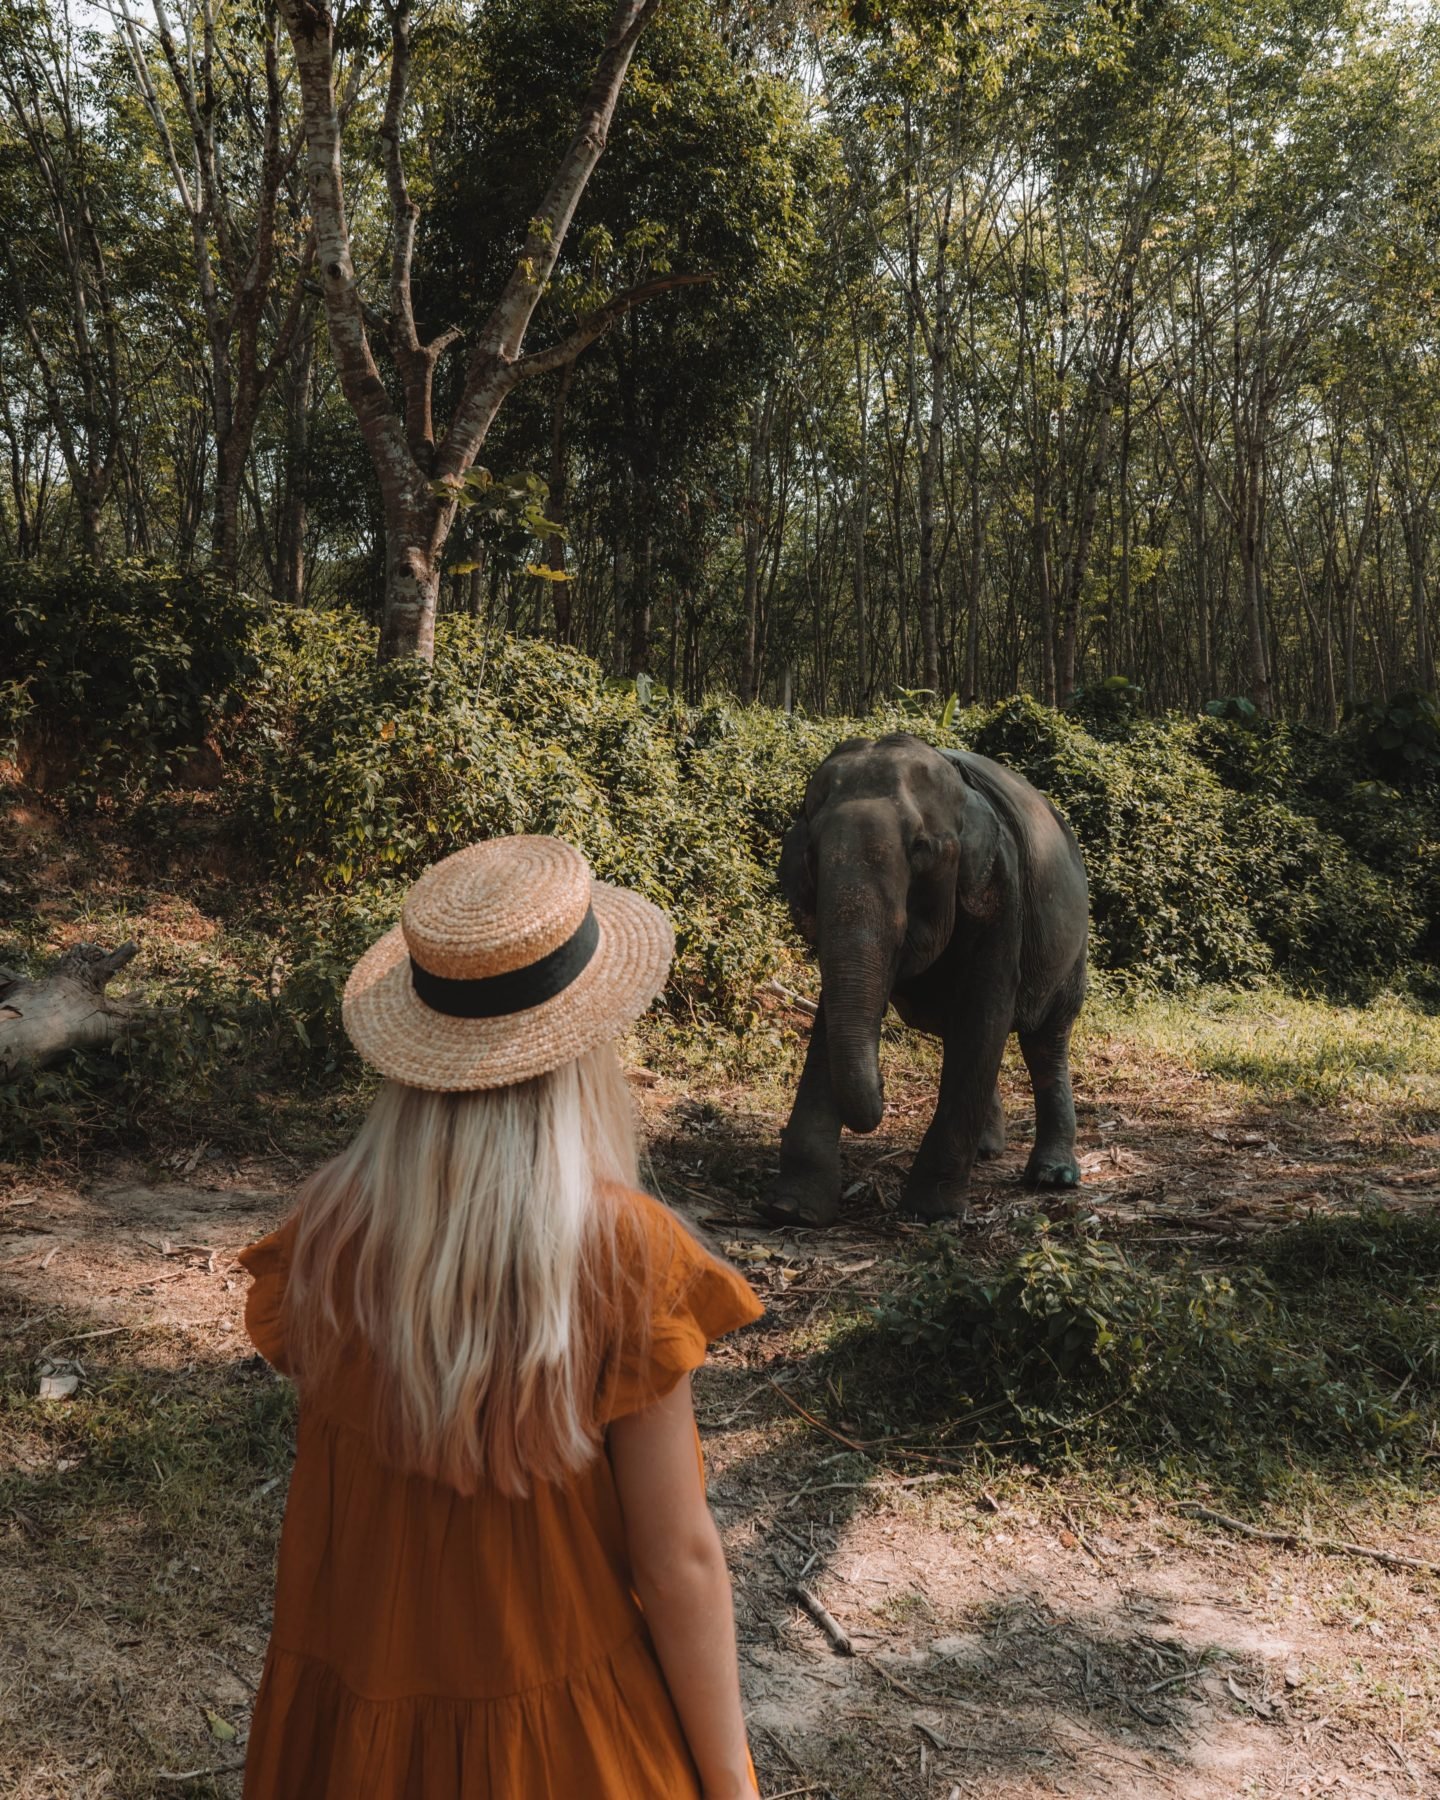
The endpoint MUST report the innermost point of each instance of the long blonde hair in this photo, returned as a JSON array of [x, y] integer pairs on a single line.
[[474, 1241]]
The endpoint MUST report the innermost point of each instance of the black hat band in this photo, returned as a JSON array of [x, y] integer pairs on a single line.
[[517, 990]]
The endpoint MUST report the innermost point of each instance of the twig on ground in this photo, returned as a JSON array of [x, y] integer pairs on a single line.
[[1300, 1540], [820, 1425], [880, 1483], [34, 1319], [225, 1768], [1080, 1537], [824, 1618], [788, 1758], [876, 1448], [903, 1686], [735, 1412], [81, 1337]]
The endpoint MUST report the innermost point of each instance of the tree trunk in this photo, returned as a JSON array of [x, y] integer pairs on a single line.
[[408, 455], [1257, 661], [1040, 527], [1413, 531], [754, 530], [290, 560], [638, 659], [231, 453], [65, 1009], [412, 593], [928, 486], [862, 525], [555, 509]]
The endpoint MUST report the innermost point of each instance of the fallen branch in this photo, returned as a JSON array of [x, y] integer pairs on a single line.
[[82, 1337], [1080, 1538], [820, 1425], [791, 998], [1300, 1540], [824, 1618]]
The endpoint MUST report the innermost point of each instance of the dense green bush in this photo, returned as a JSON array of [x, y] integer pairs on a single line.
[[1329, 1347], [356, 782], [112, 674], [1169, 892], [1219, 849]]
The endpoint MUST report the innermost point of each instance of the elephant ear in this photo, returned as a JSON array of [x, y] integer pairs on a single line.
[[797, 880], [979, 831]]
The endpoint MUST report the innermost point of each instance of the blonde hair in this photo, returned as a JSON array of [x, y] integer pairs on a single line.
[[474, 1240]]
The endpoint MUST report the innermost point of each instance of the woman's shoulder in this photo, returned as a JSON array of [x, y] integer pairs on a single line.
[[683, 1272], [648, 1226]]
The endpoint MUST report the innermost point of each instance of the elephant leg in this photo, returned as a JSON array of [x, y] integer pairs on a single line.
[[940, 1174], [807, 1189], [993, 1138], [1047, 1056]]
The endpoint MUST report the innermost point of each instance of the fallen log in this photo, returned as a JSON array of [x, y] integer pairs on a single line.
[[64, 1009]]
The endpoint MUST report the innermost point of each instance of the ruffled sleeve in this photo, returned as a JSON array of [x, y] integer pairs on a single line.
[[268, 1263], [695, 1298]]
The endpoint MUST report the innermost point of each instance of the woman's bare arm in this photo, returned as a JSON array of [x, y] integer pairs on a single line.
[[683, 1584]]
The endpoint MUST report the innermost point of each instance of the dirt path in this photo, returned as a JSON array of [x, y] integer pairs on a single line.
[[1012, 1636]]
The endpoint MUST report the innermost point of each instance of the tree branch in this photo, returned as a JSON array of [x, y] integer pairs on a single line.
[[595, 324], [489, 375]]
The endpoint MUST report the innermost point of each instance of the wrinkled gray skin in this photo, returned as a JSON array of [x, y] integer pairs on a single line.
[[947, 886]]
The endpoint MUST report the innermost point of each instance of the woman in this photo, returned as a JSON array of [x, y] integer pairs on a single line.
[[499, 1577]]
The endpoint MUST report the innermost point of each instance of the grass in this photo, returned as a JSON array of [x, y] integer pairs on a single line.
[[1315, 1357], [1279, 1047], [139, 1523]]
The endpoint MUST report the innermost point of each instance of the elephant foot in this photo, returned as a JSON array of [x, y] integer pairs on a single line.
[[993, 1136], [802, 1200], [935, 1197], [1052, 1169]]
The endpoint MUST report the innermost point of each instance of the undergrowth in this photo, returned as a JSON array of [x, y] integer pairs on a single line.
[[1320, 1353], [1220, 850]]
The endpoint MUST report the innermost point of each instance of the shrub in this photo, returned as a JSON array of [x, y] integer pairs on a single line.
[[1401, 737], [1074, 1343], [115, 672], [1218, 848], [1168, 892]]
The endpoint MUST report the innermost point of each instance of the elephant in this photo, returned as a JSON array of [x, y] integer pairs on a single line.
[[948, 886]]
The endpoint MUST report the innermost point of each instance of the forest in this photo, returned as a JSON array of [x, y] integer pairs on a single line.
[[891, 347], [427, 421]]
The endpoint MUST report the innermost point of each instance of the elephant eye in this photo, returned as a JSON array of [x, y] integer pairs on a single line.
[[924, 852]]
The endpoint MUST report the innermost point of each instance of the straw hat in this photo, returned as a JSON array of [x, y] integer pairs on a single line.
[[509, 959]]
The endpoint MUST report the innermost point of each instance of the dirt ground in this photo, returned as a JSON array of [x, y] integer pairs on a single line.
[[1012, 1634]]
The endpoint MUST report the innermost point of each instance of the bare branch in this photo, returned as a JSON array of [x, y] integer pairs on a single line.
[[595, 324]]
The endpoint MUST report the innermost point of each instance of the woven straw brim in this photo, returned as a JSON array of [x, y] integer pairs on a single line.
[[398, 1034]]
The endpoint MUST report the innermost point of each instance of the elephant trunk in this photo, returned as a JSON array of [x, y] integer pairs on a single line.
[[858, 948]]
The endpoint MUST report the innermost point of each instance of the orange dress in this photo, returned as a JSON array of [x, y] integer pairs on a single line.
[[430, 1645]]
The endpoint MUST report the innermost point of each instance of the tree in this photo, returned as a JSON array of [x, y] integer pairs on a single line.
[[242, 153], [421, 477], [70, 325]]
